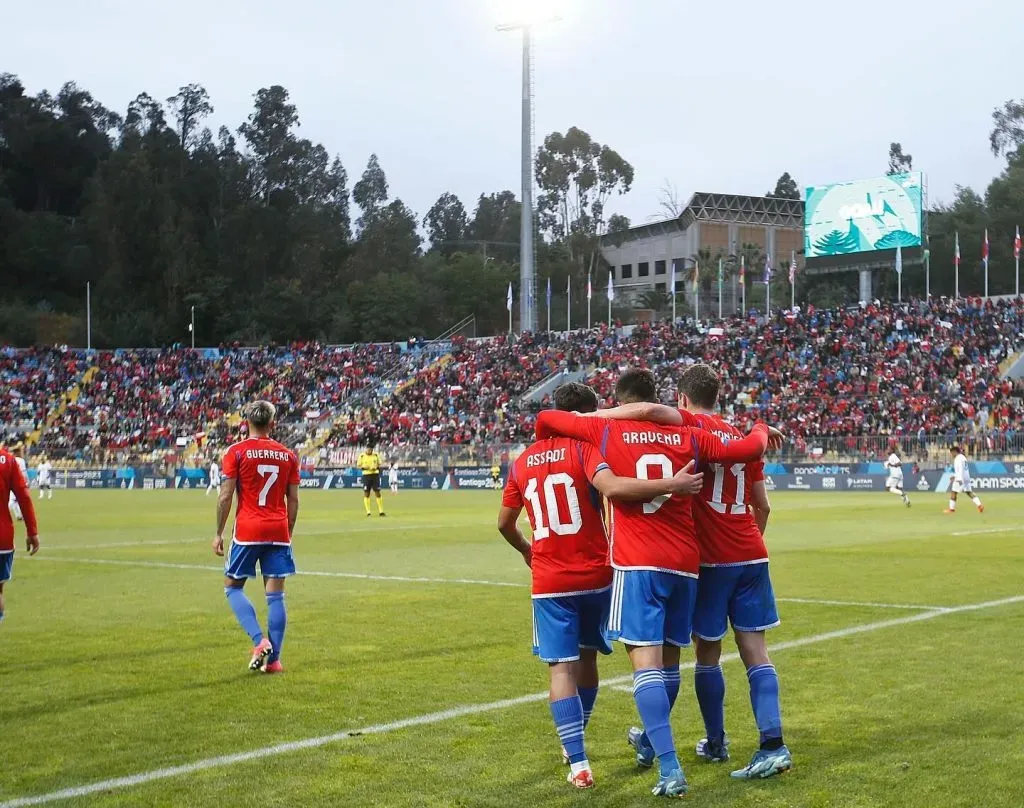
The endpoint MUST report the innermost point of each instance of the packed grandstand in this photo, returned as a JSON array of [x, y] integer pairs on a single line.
[[926, 373]]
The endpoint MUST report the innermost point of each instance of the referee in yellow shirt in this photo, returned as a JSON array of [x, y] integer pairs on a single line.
[[369, 464]]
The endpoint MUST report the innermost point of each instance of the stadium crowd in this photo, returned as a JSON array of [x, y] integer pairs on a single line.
[[914, 370]]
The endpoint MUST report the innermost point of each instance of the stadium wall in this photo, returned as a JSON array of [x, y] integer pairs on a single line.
[[986, 476]]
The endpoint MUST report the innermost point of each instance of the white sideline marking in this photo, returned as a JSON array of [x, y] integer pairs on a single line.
[[426, 580], [445, 715], [377, 528], [210, 568], [988, 530], [871, 604]]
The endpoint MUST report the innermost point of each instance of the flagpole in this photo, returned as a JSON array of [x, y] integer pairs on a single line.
[[192, 328], [590, 294], [568, 304], [610, 300], [927, 269], [673, 293], [956, 267], [88, 315], [696, 291], [719, 287], [1016, 259], [743, 286], [792, 281], [549, 305], [985, 248]]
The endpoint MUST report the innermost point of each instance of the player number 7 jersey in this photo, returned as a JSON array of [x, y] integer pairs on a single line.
[[262, 470]]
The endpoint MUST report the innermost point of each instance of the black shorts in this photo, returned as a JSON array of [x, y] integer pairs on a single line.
[[371, 482], [495, 478]]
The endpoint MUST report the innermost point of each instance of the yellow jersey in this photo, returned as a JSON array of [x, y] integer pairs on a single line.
[[369, 463]]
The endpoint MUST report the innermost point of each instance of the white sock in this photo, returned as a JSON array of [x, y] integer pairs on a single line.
[[977, 501], [952, 504]]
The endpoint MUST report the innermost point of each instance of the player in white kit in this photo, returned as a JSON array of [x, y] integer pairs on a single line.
[[894, 482], [12, 502], [214, 478], [44, 471], [393, 478], [961, 481]]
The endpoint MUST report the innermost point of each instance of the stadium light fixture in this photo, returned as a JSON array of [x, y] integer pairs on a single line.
[[515, 15], [523, 16]]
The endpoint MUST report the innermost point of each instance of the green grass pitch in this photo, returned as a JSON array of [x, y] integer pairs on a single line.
[[119, 658]]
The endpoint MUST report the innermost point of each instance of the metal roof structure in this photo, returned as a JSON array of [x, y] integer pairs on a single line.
[[764, 211]]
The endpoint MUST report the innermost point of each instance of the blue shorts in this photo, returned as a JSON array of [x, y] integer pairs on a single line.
[[739, 595], [562, 626], [650, 607], [275, 561], [6, 566]]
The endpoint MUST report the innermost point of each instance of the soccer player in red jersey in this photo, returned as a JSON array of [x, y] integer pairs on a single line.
[[12, 481], [655, 555], [558, 481], [265, 476], [731, 516]]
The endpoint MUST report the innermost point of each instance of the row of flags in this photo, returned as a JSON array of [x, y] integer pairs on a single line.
[[985, 248], [568, 290], [672, 286]]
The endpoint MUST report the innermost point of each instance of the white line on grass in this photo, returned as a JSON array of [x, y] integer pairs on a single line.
[[444, 715], [871, 604], [987, 530], [427, 580], [211, 568]]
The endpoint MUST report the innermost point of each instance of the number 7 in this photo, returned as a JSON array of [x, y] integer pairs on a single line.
[[271, 473]]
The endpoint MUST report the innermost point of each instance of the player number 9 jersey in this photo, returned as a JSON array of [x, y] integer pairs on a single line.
[[262, 470]]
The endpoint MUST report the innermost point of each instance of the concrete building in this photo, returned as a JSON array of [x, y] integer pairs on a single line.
[[713, 226]]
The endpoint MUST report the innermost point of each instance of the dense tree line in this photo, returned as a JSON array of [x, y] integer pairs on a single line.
[[269, 238], [259, 229]]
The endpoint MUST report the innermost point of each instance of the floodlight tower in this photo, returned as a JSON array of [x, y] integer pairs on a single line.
[[528, 14]]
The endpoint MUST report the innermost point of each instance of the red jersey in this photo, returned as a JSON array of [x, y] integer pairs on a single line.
[[570, 547], [13, 481], [658, 535], [262, 470], [726, 531]]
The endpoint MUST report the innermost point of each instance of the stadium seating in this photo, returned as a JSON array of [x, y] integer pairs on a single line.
[[829, 375]]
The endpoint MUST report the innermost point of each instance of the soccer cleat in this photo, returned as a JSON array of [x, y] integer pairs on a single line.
[[765, 763], [713, 751], [644, 751], [260, 654], [948, 510], [981, 509], [368, 515], [382, 514], [274, 667], [584, 778], [671, 785]]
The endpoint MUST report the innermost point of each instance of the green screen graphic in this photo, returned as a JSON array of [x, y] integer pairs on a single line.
[[865, 215]]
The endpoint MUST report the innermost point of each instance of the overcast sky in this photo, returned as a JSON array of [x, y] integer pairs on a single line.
[[710, 96]]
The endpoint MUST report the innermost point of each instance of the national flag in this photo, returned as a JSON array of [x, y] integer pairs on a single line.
[[611, 288], [549, 293], [590, 289], [508, 298], [956, 251], [899, 260], [767, 269], [792, 267], [1016, 244], [696, 272], [672, 288], [720, 271], [984, 249], [743, 270]]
